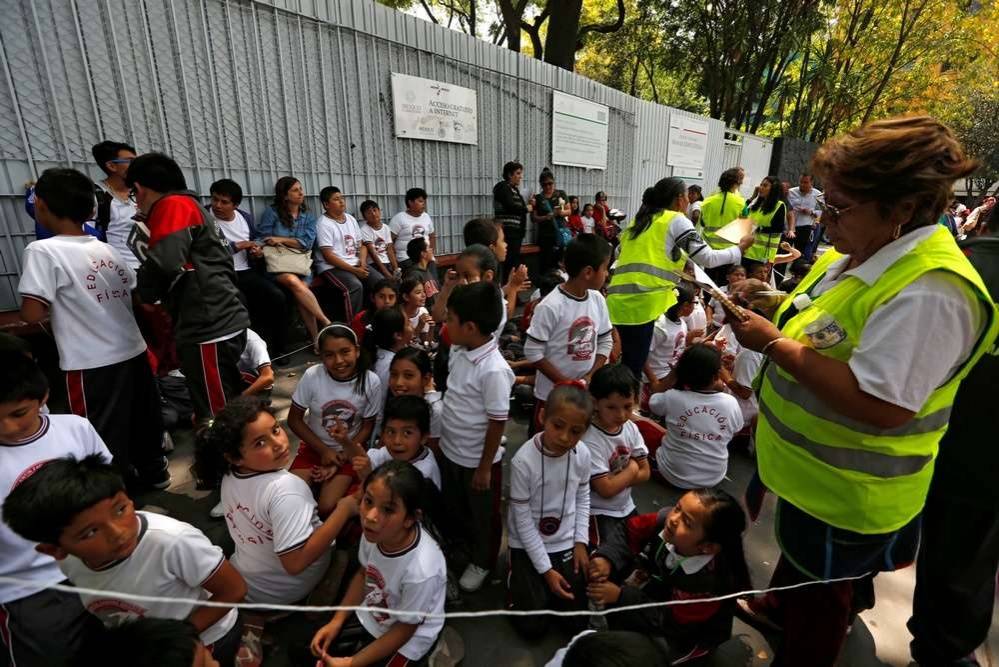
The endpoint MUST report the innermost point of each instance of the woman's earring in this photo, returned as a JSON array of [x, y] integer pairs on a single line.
[[896, 233]]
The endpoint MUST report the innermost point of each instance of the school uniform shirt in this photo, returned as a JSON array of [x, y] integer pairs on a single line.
[[717, 311], [326, 399], [88, 289], [669, 340], [405, 228], [424, 461], [588, 224], [57, 436], [698, 318], [548, 490], [269, 514], [478, 390], [414, 321], [747, 366], [383, 365], [255, 356], [569, 332], [429, 279], [172, 559], [414, 579], [120, 225], [380, 239], [236, 231], [436, 402], [699, 426], [343, 238], [610, 453]]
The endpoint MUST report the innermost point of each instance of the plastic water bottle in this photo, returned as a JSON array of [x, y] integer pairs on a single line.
[[598, 622]]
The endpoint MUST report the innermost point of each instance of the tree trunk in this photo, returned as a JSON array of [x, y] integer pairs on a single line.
[[563, 31]]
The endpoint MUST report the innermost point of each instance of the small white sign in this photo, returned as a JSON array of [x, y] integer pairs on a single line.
[[688, 142], [579, 132], [433, 110]]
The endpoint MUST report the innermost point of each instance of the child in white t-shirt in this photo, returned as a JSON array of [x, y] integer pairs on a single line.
[[390, 331], [85, 287], [570, 333], [404, 436], [736, 274], [549, 515], [79, 513], [342, 398], [411, 374], [589, 224], [618, 455], [669, 340], [413, 299], [282, 548], [255, 365], [697, 320], [41, 626], [700, 418], [341, 256], [377, 238], [413, 223], [402, 568]]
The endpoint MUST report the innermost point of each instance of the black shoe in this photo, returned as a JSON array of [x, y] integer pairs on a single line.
[[156, 479]]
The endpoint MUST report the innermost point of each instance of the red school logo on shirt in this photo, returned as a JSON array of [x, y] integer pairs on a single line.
[[344, 411], [419, 231], [619, 459], [349, 246], [115, 612], [374, 592], [379, 244], [582, 339]]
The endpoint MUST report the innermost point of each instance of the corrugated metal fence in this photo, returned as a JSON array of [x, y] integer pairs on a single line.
[[254, 90]]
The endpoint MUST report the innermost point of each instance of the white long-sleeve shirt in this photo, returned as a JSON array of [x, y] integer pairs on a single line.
[[545, 488]]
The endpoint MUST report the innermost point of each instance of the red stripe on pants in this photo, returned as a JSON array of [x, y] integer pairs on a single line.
[[398, 660], [74, 390], [213, 379], [348, 308], [5, 634]]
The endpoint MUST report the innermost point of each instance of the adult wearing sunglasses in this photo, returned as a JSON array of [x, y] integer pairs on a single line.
[[864, 359], [115, 204]]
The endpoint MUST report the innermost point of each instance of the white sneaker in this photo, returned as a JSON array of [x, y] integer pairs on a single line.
[[217, 512], [472, 578]]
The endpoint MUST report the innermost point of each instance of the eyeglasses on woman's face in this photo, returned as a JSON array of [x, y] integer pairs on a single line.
[[832, 214]]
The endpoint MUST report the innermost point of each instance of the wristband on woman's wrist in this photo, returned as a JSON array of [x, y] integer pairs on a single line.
[[766, 348]]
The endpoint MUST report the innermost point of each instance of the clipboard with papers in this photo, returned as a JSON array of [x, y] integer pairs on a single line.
[[735, 230]]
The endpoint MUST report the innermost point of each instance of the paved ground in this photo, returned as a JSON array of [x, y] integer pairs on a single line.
[[879, 636]]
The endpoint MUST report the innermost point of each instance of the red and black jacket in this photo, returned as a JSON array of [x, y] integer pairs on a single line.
[[187, 264]]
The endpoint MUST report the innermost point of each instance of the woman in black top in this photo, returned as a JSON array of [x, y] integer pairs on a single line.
[[509, 207]]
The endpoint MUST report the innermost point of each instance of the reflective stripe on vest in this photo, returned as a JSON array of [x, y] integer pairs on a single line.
[[717, 210], [641, 288], [764, 248], [850, 474]]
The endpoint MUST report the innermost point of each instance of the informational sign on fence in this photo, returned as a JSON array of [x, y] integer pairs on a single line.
[[433, 110], [579, 132], [688, 142]]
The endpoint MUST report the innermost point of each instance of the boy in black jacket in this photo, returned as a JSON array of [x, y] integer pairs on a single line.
[[187, 264]]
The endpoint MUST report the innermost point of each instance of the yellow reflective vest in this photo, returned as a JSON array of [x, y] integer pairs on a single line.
[[718, 210], [765, 246], [847, 473], [640, 290]]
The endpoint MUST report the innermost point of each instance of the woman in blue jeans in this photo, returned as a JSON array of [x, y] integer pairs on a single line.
[[656, 244]]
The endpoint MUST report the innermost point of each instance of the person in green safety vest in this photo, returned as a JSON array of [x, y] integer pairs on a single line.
[[864, 359], [722, 207], [769, 214], [654, 246]]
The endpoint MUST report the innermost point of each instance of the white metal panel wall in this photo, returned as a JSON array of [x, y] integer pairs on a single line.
[[253, 90]]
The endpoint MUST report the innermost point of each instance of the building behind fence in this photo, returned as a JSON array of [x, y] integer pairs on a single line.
[[254, 90]]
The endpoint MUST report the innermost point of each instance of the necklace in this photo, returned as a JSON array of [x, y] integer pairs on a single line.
[[549, 525]]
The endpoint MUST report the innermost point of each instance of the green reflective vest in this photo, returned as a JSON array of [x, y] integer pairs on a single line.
[[765, 246], [847, 473], [640, 290], [718, 210]]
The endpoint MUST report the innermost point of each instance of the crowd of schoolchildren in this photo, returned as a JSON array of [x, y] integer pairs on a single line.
[[401, 423]]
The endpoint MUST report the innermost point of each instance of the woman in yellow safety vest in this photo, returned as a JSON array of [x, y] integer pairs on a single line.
[[722, 207], [769, 213], [654, 246], [863, 361]]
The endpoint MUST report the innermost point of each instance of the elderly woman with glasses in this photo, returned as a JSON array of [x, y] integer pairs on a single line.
[[863, 360]]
